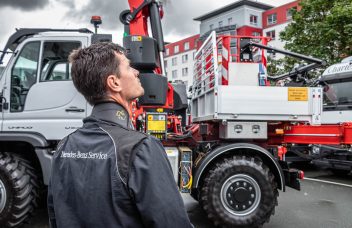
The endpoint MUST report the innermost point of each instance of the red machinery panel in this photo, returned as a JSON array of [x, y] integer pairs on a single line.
[[323, 134]]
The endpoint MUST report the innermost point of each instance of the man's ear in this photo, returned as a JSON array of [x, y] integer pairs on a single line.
[[113, 83]]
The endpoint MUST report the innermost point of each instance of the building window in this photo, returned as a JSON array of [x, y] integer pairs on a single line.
[[184, 58], [272, 19], [167, 52], [184, 71], [229, 21], [211, 27], [174, 74], [174, 61], [271, 34], [253, 19], [165, 63], [176, 49], [255, 33], [289, 12], [220, 24], [186, 46]]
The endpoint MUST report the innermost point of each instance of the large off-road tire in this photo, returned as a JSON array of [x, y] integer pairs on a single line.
[[239, 192], [18, 190]]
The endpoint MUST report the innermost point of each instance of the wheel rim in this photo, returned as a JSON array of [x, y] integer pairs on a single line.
[[2, 196], [240, 194]]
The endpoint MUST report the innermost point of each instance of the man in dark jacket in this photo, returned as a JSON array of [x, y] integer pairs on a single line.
[[106, 174]]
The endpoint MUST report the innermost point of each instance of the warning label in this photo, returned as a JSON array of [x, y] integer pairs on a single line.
[[136, 38], [156, 123], [298, 94], [156, 126]]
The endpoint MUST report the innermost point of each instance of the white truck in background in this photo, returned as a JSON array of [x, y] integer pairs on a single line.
[[337, 108], [336, 81]]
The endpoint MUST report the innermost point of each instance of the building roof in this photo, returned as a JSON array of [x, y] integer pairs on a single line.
[[233, 6]]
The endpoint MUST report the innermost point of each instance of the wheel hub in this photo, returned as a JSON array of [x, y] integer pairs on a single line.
[[240, 194], [2, 196]]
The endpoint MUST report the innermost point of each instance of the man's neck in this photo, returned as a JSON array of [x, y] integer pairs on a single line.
[[111, 111], [124, 103]]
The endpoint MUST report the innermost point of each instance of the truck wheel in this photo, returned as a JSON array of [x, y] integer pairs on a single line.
[[239, 192], [18, 190]]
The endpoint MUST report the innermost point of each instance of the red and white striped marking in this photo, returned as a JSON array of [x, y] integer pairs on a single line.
[[225, 61]]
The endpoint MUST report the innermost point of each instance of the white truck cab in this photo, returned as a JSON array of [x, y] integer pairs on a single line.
[[337, 81], [37, 87], [38, 107]]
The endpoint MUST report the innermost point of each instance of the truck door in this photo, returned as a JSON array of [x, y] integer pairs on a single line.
[[43, 98]]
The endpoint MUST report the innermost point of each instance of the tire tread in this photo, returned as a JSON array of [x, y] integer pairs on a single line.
[[210, 205], [23, 184]]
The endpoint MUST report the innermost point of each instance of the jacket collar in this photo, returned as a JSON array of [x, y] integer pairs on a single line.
[[111, 112]]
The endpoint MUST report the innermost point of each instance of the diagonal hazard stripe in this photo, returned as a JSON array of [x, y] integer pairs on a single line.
[[225, 53], [224, 73]]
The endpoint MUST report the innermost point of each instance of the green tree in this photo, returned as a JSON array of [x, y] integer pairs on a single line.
[[322, 29], [280, 66]]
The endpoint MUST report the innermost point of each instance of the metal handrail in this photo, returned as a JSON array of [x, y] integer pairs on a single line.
[[205, 69]]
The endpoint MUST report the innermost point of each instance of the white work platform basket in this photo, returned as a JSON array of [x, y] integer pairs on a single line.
[[243, 98]]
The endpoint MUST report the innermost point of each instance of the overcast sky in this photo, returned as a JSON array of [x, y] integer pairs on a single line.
[[177, 22]]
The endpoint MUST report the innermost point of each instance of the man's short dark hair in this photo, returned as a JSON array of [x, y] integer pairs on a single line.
[[90, 68]]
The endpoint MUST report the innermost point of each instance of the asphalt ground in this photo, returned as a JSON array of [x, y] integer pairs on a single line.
[[325, 201]]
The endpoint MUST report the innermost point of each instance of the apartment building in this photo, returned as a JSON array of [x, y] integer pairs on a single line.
[[239, 18], [275, 21], [179, 60]]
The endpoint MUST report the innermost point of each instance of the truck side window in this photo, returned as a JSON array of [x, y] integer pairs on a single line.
[[55, 65], [60, 71], [23, 75]]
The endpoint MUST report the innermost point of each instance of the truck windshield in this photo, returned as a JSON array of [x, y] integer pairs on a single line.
[[338, 94]]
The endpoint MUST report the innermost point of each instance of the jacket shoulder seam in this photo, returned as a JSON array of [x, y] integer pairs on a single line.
[[115, 150]]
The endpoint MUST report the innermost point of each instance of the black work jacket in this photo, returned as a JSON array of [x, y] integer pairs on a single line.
[[106, 174]]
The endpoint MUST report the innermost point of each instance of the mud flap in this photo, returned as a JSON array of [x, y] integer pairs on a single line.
[[292, 176]]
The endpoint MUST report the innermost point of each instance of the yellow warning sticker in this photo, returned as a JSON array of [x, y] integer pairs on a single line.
[[297, 94], [169, 151], [156, 125], [137, 38]]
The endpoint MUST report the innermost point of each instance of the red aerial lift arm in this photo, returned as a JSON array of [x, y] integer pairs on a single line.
[[136, 20]]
